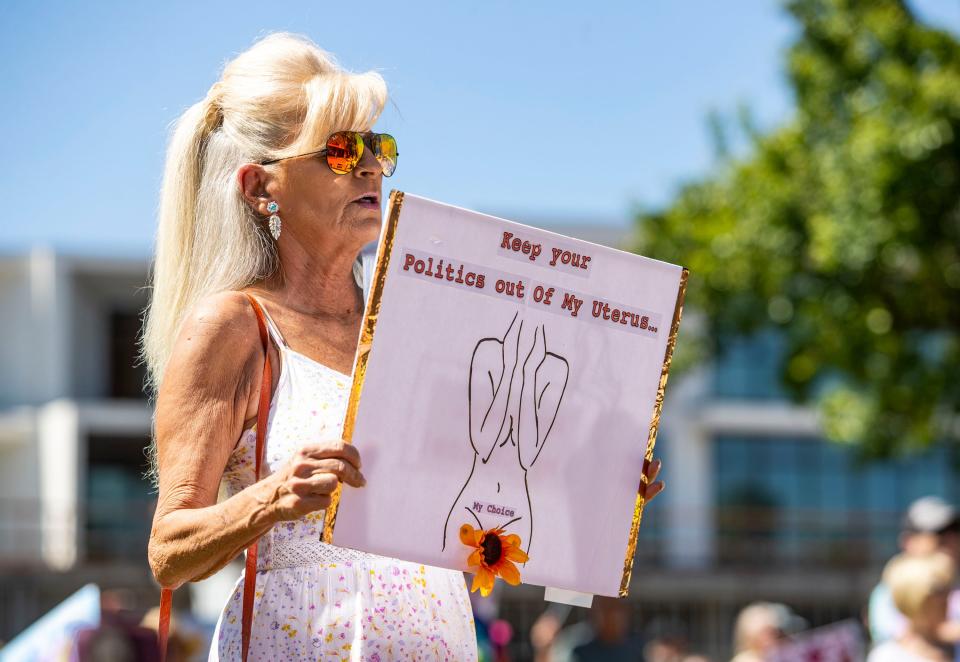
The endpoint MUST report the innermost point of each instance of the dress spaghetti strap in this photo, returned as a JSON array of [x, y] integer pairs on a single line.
[[274, 329]]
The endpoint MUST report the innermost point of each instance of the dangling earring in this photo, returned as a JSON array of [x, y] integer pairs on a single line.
[[275, 224]]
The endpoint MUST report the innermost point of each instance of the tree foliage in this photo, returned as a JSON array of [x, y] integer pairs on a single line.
[[842, 228]]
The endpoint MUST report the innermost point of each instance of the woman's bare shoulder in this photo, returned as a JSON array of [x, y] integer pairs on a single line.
[[227, 312], [220, 335]]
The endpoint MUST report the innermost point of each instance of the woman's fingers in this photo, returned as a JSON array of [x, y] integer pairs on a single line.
[[653, 490], [652, 470], [653, 486], [339, 469], [312, 475], [313, 486], [334, 448], [344, 471], [314, 502]]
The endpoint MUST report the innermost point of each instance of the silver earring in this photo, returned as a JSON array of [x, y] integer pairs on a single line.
[[275, 224]]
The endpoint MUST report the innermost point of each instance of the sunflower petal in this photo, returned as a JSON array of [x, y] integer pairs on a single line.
[[467, 535], [476, 583], [516, 554], [475, 558], [478, 537], [512, 540], [509, 572], [485, 578]]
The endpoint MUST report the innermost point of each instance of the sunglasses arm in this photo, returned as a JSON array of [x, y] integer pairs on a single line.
[[296, 156]]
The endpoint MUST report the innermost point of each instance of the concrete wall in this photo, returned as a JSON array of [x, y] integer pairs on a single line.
[[54, 357], [17, 384]]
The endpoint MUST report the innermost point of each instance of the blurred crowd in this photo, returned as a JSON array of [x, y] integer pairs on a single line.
[[913, 615], [914, 612]]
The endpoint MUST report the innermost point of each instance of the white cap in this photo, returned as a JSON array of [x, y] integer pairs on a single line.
[[930, 514]]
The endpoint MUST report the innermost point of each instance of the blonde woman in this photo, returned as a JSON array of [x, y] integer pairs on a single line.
[[272, 186], [920, 585], [760, 628]]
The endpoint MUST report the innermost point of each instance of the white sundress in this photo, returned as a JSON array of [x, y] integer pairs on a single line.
[[315, 601]]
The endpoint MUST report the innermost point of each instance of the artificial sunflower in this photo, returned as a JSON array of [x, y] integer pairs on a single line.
[[493, 555]]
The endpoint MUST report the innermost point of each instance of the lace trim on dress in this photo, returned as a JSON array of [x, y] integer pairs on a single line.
[[303, 553]]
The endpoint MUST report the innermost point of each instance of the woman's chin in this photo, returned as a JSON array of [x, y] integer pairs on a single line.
[[368, 226]]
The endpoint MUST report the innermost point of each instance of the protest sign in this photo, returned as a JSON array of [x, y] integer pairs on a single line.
[[838, 642], [508, 378]]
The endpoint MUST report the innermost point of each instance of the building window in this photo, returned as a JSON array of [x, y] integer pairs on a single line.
[[119, 500], [807, 501], [748, 367], [125, 380]]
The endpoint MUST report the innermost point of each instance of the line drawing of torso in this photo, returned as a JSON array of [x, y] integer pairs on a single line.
[[514, 391]]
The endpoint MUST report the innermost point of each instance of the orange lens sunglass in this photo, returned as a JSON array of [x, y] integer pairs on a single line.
[[345, 149]]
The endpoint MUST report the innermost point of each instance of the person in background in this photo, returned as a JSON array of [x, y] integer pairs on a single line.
[[668, 640], [930, 524], [760, 628], [920, 587], [610, 639], [603, 635], [119, 637], [551, 641]]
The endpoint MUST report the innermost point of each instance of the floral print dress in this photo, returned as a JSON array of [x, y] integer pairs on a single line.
[[315, 601]]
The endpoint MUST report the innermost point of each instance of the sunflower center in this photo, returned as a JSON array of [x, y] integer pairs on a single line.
[[492, 548]]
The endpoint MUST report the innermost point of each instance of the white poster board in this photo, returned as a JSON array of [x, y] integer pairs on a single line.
[[506, 377]]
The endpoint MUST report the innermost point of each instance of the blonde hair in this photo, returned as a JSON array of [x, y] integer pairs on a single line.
[[913, 579], [281, 97], [757, 617]]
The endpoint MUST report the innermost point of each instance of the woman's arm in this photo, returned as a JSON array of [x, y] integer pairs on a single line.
[[210, 386]]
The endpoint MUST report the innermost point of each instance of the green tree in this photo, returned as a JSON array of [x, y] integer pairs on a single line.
[[841, 228]]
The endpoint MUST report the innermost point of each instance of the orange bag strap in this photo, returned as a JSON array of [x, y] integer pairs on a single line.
[[263, 410], [166, 598], [250, 572]]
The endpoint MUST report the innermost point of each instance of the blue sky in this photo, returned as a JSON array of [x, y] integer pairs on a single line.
[[90, 88]]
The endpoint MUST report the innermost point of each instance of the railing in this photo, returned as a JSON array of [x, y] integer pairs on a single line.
[[93, 530], [804, 538], [107, 529]]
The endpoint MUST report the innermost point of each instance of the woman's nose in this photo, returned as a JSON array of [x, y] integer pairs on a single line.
[[368, 166]]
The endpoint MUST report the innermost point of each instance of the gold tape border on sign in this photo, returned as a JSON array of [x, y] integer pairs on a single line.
[[652, 434], [371, 315]]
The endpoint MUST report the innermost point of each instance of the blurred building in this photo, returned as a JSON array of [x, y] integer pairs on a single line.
[[73, 427], [758, 506]]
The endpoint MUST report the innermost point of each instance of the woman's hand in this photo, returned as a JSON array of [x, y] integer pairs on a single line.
[[305, 484], [652, 487]]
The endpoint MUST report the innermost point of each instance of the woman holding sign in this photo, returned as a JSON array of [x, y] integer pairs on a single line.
[[272, 187]]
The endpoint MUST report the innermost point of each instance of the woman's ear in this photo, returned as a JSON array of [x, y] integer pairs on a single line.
[[255, 185]]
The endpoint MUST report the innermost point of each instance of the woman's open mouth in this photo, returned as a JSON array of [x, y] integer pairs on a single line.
[[368, 200]]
